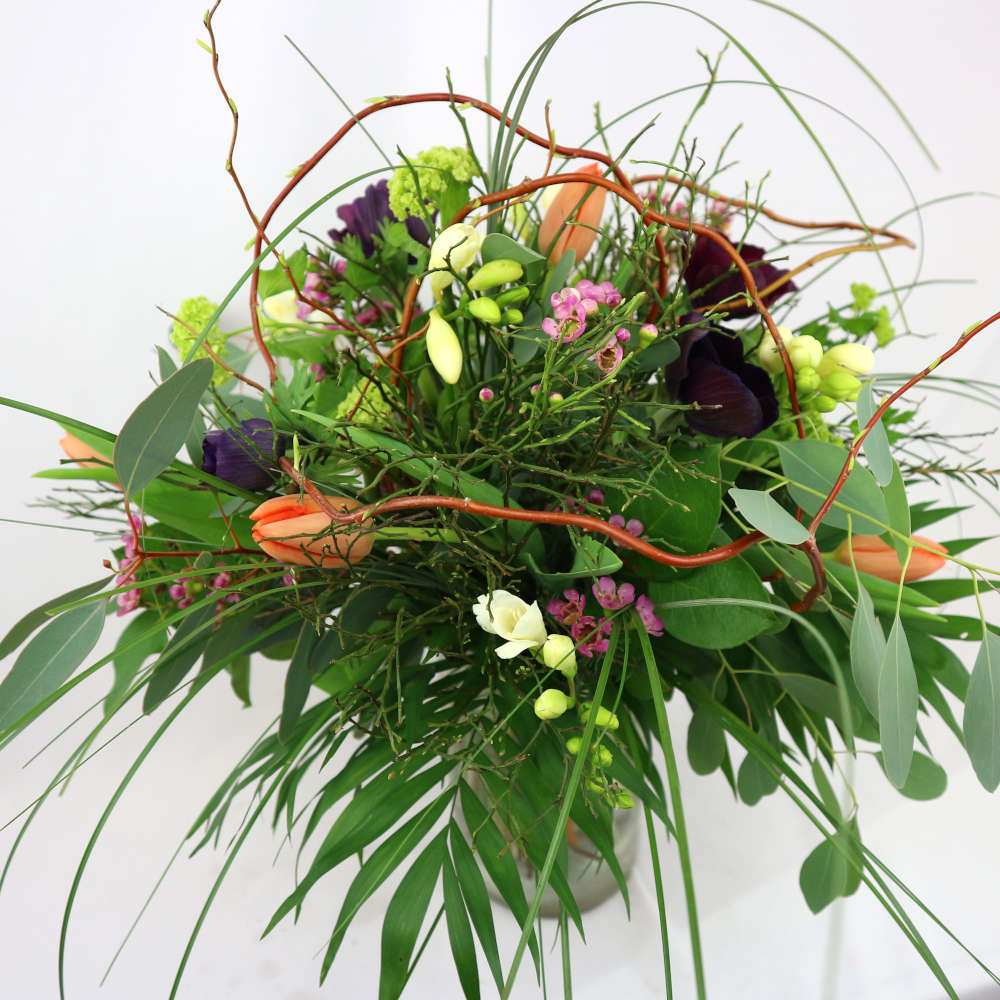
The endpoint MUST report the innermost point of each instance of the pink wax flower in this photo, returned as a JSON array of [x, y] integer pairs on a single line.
[[647, 613], [608, 356], [634, 527], [486, 394], [569, 611], [611, 596], [590, 635], [596, 496], [616, 521], [567, 330]]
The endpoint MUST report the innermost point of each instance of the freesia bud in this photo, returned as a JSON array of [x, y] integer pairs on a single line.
[[559, 653], [485, 309], [513, 296], [768, 355], [555, 237], [443, 348], [804, 352], [855, 359], [496, 272], [873, 556], [605, 718], [807, 380], [602, 756], [623, 800], [454, 248], [552, 703], [294, 529], [573, 744], [512, 317], [825, 404], [841, 385]]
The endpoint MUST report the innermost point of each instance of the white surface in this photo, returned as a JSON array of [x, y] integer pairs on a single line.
[[116, 201]]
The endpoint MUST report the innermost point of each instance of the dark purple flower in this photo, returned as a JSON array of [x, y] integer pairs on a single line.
[[244, 456], [736, 399], [711, 277], [364, 216]]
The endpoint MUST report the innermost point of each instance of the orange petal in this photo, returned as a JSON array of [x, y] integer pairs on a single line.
[[878, 558], [81, 453], [554, 236], [300, 556]]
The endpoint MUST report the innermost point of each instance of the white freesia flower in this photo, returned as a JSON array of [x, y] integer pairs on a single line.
[[506, 615], [282, 307], [456, 248]]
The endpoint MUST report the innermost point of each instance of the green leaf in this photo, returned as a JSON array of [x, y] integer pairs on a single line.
[[825, 789], [49, 660], [590, 558], [453, 199], [706, 743], [159, 425], [876, 444], [404, 917], [144, 636], [477, 900], [867, 650], [708, 627], [273, 280], [42, 614], [239, 678], [927, 778], [496, 246], [899, 512], [981, 721], [769, 517], [897, 706], [178, 657], [813, 467], [298, 680], [754, 781], [824, 875], [463, 949], [166, 363]]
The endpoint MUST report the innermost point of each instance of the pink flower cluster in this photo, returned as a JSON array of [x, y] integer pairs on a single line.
[[129, 601], [184, 591], [572, 306]]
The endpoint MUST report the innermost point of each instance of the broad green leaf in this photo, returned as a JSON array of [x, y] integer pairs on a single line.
[[754, 781], [496, 246], [159, 425], [927, 778], [239, 678], [867, 650], [981, 721], [463, 949], [297, 681], [193, 511], [711, 626], [824, 875], [769, 517], [404, 917], [144, 636], [876, 444], [273, 280], [49, 660], [591, 558], [23, 627], [166, 363], [813, 467], [178, 657], [706, 743], [477, 900], [897, 706], [899, 512]]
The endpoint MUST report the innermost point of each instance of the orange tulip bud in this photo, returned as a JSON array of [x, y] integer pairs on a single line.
[[554, 236], [294, 529], [82, 453], [872, 555]]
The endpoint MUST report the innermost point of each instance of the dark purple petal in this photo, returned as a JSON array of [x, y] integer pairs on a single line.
[[243, 456], [364, 217]]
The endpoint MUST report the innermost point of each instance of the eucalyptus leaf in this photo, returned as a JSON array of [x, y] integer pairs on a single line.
[[754, 781], [876, 444], [497, 246], [981, 721], [897, 706], [927, 778], [824, 875], [144, 636], [867, 650], [706, 743], [769, 517], [899, 513]]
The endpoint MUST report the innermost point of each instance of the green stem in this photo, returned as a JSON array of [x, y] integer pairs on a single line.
[[673, 779], [567, 965]]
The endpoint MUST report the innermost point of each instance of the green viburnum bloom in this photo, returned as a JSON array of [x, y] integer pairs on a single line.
[[186, 329], [373, 410], [455, 163]]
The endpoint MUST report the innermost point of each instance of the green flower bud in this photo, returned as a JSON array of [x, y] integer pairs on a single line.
[[807, 380], [484, 309], [602, 756], [573, 744], [824, 404], [496, 272], [623, 800], [840, 385], [559, 653], [804, 352], [595, 786], [647, 335], [512, 316], [855, 359], [513, 296], [605, 718], [552, 703], [768, 355], [883, 328], [443, 348]]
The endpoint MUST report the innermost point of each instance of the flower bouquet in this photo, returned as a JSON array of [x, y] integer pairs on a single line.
[[506, 460]]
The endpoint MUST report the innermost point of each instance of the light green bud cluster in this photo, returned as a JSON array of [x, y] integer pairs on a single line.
[[600, 758], [807, 380], [864, 296], [605, 718], [552, 703], [804, 352], [854, 359], [485, 309], [371, 408], [883, 331], [841, 386], [447, 163], [493, 310], [186, 329]]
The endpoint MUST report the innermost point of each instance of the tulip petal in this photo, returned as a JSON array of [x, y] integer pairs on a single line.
[[554, 236]]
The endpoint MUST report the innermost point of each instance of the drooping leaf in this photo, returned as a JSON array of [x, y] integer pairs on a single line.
[[706, 743], [927, 778], [497, 246], [899, 512], [867, 650], [897, 706], [144, 636], [159, 426], [768, 516], [178, 657], [49, 660], [813, 467], [239, 678], [876, 444], [404, 917], [297, 680], [463, 949], [981, 721], [754, 781], [833, 869], [274, 279]]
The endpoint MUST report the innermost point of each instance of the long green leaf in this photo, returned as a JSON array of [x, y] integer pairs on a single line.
[[876, 443], [867, 650], [179, 655], [897, 706], [463, 949], [981, 721], [297, 680], [49, 660], [143, 637], [159, 426]]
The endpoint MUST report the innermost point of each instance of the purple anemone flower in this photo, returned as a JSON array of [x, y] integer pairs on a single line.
[[364, 216], [711, 277], [735, 398], [244, 456]]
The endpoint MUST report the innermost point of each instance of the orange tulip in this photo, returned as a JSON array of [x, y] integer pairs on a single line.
[[554, 236], [294, 529], [872, 555], [82, 453]]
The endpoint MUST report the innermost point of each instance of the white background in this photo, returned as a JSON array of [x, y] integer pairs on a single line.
[[115, 201]]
